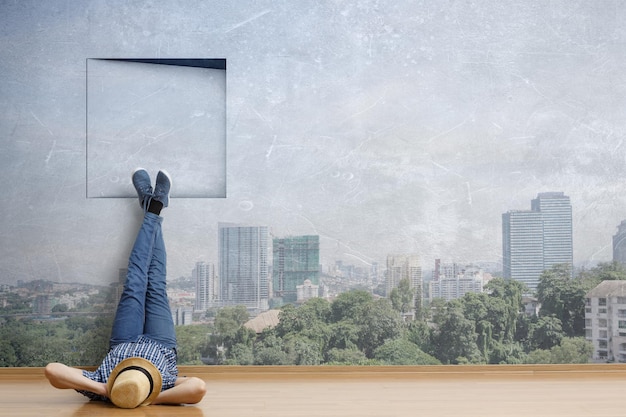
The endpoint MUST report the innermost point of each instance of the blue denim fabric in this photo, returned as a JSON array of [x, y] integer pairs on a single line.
[[144, 309]]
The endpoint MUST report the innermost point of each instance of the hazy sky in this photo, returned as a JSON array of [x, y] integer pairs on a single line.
[[382, 126]]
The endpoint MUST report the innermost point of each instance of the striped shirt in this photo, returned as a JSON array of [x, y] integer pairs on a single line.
[[163, 358]]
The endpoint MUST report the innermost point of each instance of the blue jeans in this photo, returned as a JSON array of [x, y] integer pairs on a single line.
[[143, 308]]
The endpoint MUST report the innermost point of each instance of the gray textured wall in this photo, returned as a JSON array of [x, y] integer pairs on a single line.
[[382, 126]]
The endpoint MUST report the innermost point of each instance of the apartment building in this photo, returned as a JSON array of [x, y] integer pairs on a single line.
[[605, 321]]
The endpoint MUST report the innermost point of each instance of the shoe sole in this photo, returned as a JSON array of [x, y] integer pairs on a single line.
[[169, 178]]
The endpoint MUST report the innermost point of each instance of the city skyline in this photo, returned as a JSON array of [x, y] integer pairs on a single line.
[[382, 127], [330, 262]]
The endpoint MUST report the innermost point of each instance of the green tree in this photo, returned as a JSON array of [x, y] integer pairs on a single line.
[[297, 319], [228, 322], [269, 350], [402, 296], [309, 321], [15, 304], [510, 291], [545, 333], [343, 335], [80, 323], [346, 357], [493, 316], [438, 311], [289, 321], [192, 342], [420, 307], [522, 331], [93, 340], [454, 340], [604, 271], [563, 297], [318, 309], [572, 350], [303, 351], [377, 323], [507, 353], [271, 355], [37, 344], [240, 354], [403, 352], [8, 356], [539, 356], [475, 306], [420, 333], [349, 305], [60, 308]]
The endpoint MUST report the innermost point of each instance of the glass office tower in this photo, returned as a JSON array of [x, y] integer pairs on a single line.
[[243, 267], [535, 240], [556, 212]]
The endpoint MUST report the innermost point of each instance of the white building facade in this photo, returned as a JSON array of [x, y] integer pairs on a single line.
[[605, 321], [450, 287]]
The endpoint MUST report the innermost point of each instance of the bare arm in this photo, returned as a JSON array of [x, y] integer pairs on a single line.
[[185, 391], [64, 377]]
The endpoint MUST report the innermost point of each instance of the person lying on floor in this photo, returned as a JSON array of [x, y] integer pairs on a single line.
[[140, 367]]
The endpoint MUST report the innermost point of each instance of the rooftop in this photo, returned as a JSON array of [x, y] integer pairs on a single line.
[[609, 288]]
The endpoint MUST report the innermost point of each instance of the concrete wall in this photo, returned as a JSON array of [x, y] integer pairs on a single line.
[[383, 126]]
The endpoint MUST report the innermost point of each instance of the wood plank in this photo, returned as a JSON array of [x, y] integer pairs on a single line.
[[481, 391]]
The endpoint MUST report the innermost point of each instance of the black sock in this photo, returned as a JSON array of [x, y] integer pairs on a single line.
[[155, 207]]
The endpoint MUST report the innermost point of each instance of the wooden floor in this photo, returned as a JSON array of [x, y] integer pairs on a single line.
[[481, 391]]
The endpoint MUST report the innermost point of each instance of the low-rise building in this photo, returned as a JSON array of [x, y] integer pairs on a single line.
[[307, 291], [183, 316], [450, 286]]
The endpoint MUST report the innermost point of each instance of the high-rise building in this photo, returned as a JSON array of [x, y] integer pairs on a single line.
[[619, 244], [296, 259], [535, 240], [243, 266], [206, 285], [404, 266], [522, 246], [556, 212]]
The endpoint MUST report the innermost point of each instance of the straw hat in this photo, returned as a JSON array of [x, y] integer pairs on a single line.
[[134, 382]]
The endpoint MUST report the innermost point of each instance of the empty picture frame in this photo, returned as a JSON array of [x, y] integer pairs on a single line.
[[157, 114]]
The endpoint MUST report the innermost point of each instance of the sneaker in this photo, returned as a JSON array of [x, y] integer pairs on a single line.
[[162, 188], [141, 181]]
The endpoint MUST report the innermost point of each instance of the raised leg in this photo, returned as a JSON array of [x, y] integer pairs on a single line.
[[159, 324], [129, 320]]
